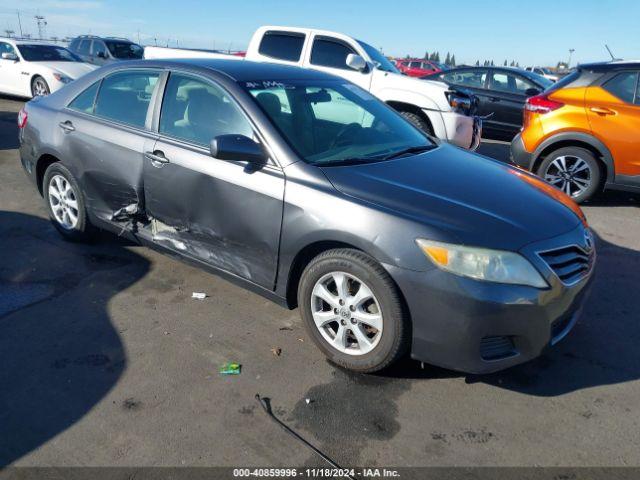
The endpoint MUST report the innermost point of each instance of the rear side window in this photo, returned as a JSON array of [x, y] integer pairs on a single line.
[[623, 86], [73, 46], [85, 101], [125, 96], [197, 111], [98, 47], [329, 53], [282, 45]]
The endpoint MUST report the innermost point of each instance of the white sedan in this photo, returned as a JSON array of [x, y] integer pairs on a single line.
[[29, 69]]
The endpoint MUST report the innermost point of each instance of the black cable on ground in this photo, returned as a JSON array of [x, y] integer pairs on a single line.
[[265, 403]]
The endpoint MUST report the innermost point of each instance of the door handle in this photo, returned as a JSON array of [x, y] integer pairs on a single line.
[[602, 111], [67, 126], [157, 158]]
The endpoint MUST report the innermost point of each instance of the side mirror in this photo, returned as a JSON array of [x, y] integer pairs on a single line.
[[10, 56], [532, 92], [237, 147], [356, 62]]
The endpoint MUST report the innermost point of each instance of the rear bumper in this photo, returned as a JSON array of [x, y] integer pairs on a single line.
[[519, 154], [481, 327], [462, 130]]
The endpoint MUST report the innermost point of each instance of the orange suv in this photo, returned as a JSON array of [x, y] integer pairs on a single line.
[[583, 133]]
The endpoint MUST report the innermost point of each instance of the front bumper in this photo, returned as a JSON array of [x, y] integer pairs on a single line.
[[519, 154], [462, 130], [481, 327]]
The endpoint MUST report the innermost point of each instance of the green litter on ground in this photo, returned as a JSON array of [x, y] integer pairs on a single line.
[[230, 368]]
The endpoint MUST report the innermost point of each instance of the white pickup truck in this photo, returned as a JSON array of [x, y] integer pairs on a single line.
[[432, 106]]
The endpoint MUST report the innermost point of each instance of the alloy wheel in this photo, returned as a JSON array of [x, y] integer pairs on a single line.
[[40, 87], [346, 313], [569, 173], [63, 201]]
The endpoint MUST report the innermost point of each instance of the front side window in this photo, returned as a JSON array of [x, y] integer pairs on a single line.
[[46, 53], [468, 78], [328, 53], [97, 47], [86, 100], [282, 45], [124, 50], [623, 86], [329, 122], [124, 97], [197, 111]]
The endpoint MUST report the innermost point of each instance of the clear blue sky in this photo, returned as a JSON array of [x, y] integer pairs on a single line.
[[533, 32]]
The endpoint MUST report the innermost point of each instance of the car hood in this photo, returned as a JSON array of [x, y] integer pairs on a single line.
[[386, 85], [73, 70], [464, 197]]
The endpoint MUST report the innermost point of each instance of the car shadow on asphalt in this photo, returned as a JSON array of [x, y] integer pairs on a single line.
[[8, 130], [59, 351]]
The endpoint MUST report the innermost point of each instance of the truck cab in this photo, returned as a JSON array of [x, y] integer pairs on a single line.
[[432, 106]]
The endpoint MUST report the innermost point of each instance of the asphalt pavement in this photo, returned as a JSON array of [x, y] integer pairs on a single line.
[[107, 360]]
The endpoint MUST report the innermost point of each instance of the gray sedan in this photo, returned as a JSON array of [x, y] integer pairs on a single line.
[[308, 190]]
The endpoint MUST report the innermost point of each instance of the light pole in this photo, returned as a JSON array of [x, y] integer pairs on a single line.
[[571, 50], [41, 24]]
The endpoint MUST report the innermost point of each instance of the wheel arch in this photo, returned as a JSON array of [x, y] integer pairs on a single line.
[[576, 139], [42, 164], [408, 107]]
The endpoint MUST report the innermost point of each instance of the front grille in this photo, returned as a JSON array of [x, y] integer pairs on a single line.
[[496, 348], [570, 264]]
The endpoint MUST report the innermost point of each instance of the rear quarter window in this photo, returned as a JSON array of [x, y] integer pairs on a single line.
[[85, 101], [282, 45], [623, 86]]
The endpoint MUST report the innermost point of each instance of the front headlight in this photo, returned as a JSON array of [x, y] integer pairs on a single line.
[[62, 78], [482, 264]]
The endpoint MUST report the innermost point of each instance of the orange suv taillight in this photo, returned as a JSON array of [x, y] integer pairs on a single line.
[[539, 104]]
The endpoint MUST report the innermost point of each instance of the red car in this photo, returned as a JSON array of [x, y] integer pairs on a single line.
[[418, 67]]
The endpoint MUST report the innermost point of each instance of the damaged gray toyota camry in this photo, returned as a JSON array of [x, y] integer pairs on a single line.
[[308, 190]]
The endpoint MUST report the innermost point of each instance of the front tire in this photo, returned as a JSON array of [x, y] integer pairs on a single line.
[[65, 204], [39, 87], [418, 121], [352, 310], [573, 170]]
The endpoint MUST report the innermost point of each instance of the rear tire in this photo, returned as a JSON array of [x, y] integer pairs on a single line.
[[418, 121], [573, 170], [39, 87], [66, 204], [375, 326]]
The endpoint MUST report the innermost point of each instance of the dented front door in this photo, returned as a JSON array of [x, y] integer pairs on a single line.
[[221, 212]]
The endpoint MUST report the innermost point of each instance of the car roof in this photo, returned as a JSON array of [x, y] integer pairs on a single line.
[[239, 70], [613, 65], [17, 41]]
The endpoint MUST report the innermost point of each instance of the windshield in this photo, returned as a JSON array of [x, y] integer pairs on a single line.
[[330, 122], [381, 62], [46, 53], [124, 50]]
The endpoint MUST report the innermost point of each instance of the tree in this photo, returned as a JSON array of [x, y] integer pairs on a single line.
[[453, 60], [447, 60], [477, 63], [437, 59], [492, 63], [513, 63], [426, 55], [505, 63]]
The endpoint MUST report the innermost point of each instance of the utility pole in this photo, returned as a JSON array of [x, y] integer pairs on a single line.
[[9, 33], [41, 24], [19, 23], [571, 50]]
